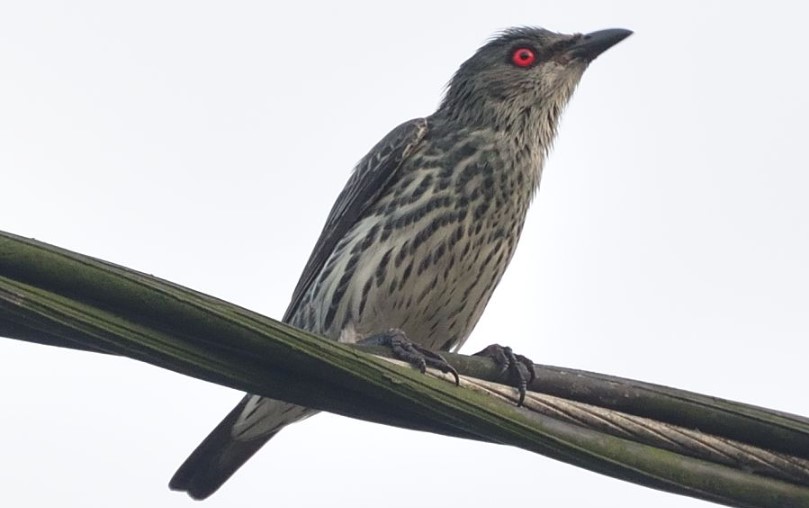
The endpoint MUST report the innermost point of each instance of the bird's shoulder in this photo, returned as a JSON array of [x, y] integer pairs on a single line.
[[388, 153]]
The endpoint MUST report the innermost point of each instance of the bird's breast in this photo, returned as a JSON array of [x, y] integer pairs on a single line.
[[428, 255]]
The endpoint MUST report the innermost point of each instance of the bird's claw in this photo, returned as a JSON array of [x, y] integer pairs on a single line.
[[407, 351], [520, 370]]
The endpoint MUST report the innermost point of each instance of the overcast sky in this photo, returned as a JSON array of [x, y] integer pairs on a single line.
[[205, 143]]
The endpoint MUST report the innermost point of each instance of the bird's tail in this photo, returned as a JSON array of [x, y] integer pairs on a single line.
[[253, 422]]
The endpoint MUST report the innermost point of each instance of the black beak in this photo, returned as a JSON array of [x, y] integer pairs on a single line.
[[589, 46]]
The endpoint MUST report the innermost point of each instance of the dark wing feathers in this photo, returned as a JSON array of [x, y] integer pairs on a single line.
[[371, 177], [220, 455]]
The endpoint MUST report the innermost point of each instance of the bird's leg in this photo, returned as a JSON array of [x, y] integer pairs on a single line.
[[407, 351], [520, 370]]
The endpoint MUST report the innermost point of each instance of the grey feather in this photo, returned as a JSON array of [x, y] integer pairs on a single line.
[[370, 178]]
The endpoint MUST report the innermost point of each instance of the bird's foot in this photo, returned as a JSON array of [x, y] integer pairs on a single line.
[[405, 350], [518, 368]]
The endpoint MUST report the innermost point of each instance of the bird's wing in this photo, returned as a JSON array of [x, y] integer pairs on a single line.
[[225, 449], [370, 178]]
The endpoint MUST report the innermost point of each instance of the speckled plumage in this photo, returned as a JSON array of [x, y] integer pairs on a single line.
[[426, 226], [427, 255]]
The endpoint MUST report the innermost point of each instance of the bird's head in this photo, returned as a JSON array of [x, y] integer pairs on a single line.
[[522, 78]]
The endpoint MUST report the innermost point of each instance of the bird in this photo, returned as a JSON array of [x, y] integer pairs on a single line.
[[426, 225]]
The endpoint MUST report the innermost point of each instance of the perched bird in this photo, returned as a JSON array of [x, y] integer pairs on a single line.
[[426, 225]]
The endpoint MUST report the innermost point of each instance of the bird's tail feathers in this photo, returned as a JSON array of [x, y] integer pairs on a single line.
[[253, 422]]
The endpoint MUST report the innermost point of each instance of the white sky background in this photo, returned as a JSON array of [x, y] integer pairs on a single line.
[[205, 143]]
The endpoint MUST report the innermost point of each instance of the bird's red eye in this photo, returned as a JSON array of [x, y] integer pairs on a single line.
[[523, 57]]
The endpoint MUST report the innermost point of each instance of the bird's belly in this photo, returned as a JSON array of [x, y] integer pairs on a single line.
[[435, 293]]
